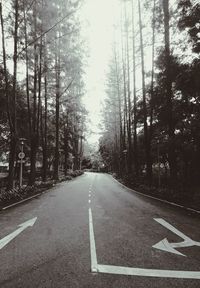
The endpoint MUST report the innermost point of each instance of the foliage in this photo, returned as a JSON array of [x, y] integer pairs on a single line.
[[46, 105], [172, 92]]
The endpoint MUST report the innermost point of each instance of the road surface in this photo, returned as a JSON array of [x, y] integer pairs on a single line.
[[92, 232]]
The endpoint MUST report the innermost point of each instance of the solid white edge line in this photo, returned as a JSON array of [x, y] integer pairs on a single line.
[[24, 200], [161, 200], [109, 269], [93, 254]]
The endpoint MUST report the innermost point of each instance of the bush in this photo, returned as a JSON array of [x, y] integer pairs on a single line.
[[65, 178], [15, 194], [74, 173]]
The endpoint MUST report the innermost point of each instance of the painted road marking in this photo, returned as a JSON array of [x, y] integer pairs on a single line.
[[89, 201], [148, 272], [169, 247], [92, 244], [119, 270], [4, 241]]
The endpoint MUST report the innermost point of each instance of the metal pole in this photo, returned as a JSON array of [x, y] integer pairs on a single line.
[[125, 158], [21, 169], [158, 163], [126, 162], [20, 175]]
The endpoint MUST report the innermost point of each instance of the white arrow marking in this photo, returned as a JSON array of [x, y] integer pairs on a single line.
[[170, 247], [4, 241], [119, 270]]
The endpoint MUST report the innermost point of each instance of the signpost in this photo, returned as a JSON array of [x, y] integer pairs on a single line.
[[21, 156], [125, 158]]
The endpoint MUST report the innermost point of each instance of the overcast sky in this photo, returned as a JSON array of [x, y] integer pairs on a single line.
[[98, 18]]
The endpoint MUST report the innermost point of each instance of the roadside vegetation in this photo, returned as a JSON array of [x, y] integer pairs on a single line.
[[151, 114], [41, 89], [10, 196]]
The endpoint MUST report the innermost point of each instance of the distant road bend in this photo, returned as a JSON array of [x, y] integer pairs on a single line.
[[92, 232]]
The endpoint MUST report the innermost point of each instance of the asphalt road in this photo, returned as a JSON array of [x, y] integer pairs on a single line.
[[93, 224]]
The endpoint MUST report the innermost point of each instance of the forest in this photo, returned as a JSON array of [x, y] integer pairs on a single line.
[[151, 115], [150, 135], [41, 88]]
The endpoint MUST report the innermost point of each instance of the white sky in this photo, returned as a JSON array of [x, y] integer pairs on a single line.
[[99, 18]]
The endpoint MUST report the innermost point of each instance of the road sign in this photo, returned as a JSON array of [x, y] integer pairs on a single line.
[[21, 155]]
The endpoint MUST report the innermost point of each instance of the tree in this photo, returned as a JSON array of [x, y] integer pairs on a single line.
[[165, 113], [169, 96], [44, 29], [135, 140]]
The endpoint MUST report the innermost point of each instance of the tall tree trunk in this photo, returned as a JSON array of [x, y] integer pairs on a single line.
[[5, 69], [128, 96], [66, 150], [45, 122], [147, 152], [39, 89], [136, 163], [169, 95], [75, 143], [120, 113], [27, 70], [56, 161], [81, 151], [116, 146], [152, 92], [34, 140], [13, 132], [152, 76], [125, 99]]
